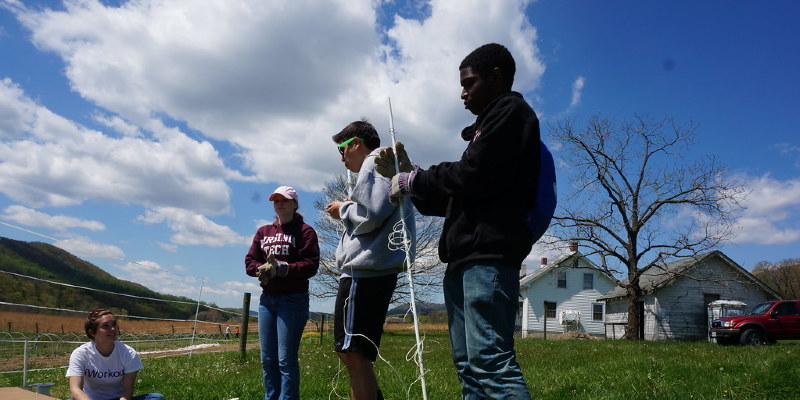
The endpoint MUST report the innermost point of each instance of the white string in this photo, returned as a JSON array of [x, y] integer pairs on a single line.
[[407, 243], [349, 185]]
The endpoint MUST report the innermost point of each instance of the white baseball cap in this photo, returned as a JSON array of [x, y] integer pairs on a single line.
[[287, 192]]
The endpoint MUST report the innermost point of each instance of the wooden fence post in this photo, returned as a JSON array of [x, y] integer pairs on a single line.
[[545, 320], [245, 322], [321, 326]]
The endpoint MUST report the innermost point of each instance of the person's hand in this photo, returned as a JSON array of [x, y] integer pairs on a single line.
[[333, 209], [384, 162], [401, 186], [267, 270]]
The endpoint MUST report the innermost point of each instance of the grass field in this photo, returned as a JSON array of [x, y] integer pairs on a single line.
[[554, 369]]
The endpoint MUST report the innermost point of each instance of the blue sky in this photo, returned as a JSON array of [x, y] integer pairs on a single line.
[[145, 136]]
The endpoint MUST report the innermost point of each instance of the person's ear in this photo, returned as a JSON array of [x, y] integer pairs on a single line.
[[496, 77]]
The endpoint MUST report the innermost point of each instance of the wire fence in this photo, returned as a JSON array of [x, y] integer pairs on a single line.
[[37, 337]]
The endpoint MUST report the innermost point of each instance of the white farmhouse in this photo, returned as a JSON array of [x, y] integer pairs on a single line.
[[562, 296]]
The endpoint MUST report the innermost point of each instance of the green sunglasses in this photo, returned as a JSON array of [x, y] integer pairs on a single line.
[[340, 146]]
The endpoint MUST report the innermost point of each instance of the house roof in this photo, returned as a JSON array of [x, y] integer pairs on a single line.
[[660, 276], [543, 270]]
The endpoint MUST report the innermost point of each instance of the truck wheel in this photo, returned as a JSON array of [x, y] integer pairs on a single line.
[[752, 337]]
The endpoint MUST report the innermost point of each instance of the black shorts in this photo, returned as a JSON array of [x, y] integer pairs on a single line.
[[360, 311]]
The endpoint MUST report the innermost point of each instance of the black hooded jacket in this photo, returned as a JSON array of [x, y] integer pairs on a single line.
[[484, 195]]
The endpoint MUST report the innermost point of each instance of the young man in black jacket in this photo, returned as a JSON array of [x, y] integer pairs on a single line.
[[483, 198]]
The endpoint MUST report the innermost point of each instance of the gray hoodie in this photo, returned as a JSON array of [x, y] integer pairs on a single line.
[[369, 219]]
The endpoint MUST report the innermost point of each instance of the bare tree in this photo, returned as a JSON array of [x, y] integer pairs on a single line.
[[783, 277], [636, 202], [427, 272]]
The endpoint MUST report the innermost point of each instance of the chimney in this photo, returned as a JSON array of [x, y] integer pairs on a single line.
[[544, 262], [523, 271], [573, 246]]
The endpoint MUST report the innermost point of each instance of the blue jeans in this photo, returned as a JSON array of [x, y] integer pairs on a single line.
[[281, 320], [482, 301], [149, 396]]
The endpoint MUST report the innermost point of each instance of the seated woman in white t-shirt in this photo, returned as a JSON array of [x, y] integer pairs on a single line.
[[104, 368]]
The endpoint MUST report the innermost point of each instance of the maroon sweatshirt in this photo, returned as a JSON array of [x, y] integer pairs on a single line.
[[296, 249]]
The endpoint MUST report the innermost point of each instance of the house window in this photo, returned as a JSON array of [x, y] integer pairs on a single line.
[[549, 309], [588, 281], [597, 312], [562, 279]]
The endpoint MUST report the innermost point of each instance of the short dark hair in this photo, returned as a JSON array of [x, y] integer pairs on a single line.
[[90, 326], [361, 129], [488, 57]]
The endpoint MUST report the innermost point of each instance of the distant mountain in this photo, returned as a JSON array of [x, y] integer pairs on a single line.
[[422, 308], [44, 261]]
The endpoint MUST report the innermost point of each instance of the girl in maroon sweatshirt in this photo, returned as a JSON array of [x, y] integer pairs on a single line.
[[283, 255]]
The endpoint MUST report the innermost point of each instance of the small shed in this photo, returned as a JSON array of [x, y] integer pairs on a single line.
[[675, 298]]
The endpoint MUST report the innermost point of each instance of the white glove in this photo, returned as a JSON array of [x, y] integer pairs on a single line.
[[268, 270], [384, 162]]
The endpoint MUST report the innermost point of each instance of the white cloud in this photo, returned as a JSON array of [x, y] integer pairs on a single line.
[[16, 111], [191, 228], [770, 216], [118, 124], [33, 218], [56, 162], [549, 247], [156, 278], [250, 286], [787, 148], [168, 247], [277, 79], [85, 247], [577, 91]]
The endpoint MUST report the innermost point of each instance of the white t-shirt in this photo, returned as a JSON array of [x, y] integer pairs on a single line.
[[102, 376]]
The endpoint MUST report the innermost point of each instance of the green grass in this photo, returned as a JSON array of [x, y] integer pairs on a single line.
[[567, 369]]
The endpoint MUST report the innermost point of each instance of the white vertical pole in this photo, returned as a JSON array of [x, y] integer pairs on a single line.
[[409, 264], [196, 314], [25, 363]]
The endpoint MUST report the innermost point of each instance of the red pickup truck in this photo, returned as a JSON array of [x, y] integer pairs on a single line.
[[768, 322]]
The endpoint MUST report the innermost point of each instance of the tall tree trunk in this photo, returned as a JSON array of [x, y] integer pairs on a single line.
[[634, 323]]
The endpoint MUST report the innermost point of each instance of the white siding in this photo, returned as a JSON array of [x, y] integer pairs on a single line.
[[678, 312], [682, 314], [573, 297], [616, 313]]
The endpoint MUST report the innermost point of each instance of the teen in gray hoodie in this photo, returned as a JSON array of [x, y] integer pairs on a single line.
[[368, 266]]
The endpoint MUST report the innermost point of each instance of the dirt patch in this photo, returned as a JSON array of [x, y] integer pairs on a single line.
[[573, 335]]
